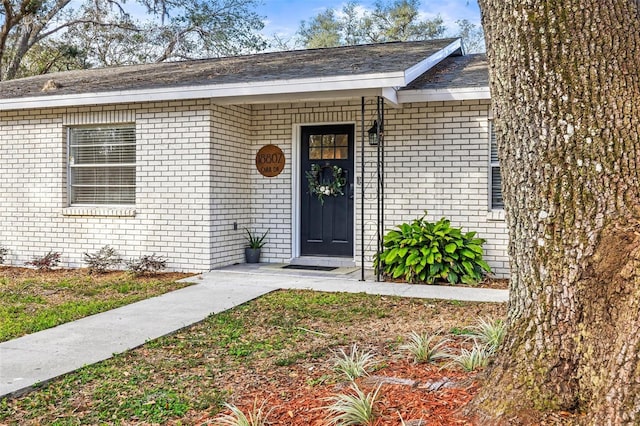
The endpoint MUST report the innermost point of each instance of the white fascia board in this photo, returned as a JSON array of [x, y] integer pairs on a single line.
[[430, 95], [391, 95], [321, 84], [425, 65]]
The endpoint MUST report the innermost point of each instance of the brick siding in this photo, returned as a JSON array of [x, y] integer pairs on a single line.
[[198, 188]]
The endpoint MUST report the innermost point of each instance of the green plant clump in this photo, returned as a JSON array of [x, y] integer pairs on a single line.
[[424, 349], [353, 409], [355, 364], [425, 252], [256, 241], [256, 417], [489, 332]]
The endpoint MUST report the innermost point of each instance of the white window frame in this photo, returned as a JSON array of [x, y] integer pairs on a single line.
[[494, 164], [100, 166]]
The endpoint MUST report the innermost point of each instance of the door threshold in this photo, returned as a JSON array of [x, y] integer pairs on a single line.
[[328, 261]]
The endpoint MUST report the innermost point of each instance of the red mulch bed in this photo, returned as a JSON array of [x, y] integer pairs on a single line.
[[418, 395]]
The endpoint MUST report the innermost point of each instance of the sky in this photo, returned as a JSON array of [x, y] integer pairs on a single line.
[[283, 17]]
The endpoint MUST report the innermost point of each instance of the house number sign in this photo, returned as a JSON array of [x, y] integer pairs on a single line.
[[270, 161]]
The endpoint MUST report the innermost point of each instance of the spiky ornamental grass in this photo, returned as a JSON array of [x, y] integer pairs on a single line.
[[475, 358], [423, 349], [355, 364], [353, 409], [256, 417], [490, 332]]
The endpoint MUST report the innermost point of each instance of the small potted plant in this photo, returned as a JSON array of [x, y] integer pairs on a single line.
[[252, 252]]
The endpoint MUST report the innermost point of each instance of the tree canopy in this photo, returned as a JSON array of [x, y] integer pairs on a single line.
[[39, 36], [395, 20]]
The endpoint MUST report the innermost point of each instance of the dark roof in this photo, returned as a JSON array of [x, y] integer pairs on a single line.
[[455, 72], [278, 66]]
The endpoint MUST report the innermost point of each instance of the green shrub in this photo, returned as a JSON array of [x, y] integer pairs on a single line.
[[46, 262], [102, 261], [147, 264], [427, 252]]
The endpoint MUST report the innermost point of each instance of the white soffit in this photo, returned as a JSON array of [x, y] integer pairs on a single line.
[[430, 95]]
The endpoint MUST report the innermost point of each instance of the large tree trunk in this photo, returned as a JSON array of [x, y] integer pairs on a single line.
[[565, 81]]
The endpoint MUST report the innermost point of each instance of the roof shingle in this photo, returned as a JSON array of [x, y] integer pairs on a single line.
[[265, 67]]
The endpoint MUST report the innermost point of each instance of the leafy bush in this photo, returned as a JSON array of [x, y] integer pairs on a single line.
[[426, 252], [46, 262], [3, 254], [106, 258], [147, 264]]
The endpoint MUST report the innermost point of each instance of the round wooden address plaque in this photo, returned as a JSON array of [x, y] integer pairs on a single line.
[[270, 161]]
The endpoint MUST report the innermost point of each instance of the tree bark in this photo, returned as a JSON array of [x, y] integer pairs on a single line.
[[565, 83]]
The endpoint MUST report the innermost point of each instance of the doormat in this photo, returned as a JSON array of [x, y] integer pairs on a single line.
[[311, 267]]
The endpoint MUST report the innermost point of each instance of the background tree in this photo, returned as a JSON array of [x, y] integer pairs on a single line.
[[324, 30], [472, 36], [398, 20], [104, 32], [565, 82]]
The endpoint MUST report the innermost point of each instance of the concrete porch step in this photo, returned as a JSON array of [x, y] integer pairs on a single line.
[[336, 262]]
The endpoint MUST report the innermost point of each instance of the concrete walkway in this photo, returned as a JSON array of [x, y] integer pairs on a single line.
[[42, 356]]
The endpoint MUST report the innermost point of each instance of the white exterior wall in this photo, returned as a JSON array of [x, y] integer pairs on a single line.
[[196, 178], [171, 216], [437, 160], [231, 158]]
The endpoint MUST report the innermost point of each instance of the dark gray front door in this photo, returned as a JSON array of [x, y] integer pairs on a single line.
[[326, 227]]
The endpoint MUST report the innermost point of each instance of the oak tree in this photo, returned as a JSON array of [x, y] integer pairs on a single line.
[[565, 83], [84, 33]]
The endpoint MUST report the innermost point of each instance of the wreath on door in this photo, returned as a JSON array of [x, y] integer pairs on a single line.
[[321, 187]]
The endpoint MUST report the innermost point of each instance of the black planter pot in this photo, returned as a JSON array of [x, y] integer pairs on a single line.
[[252, 255]]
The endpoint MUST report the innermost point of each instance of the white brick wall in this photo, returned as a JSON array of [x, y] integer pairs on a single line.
[[196, 178], [437, 158], [231, 161], [172, 211]]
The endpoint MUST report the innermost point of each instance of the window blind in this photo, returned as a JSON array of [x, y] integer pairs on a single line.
[[102, 165], [495, 179]]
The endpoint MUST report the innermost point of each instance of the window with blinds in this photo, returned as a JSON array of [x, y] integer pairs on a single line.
[[495, 180], [102, 165]]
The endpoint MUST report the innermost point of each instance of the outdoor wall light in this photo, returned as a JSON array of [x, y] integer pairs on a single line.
[[373, 133]]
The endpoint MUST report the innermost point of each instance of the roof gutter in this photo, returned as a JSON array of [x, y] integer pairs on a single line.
[[367, 81]]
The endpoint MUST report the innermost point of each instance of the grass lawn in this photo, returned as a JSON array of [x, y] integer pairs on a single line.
[[33, 300], [278, 350]]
